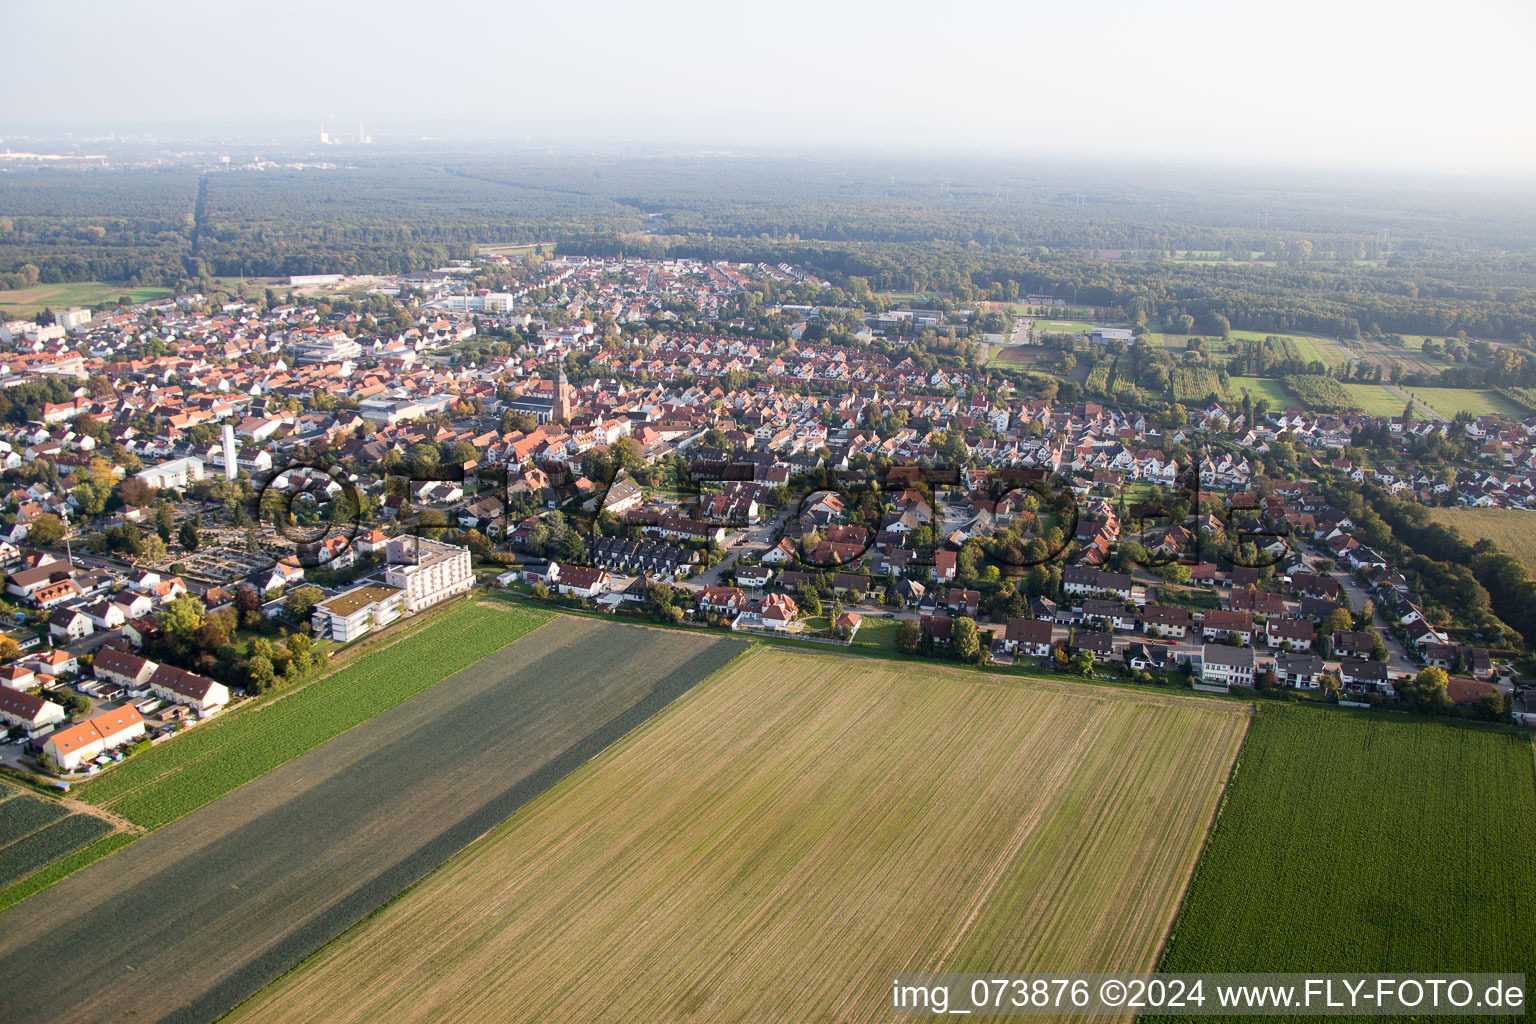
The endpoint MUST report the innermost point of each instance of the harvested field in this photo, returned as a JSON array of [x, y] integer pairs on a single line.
[[1512, 529], [189, 920], [790, 835]]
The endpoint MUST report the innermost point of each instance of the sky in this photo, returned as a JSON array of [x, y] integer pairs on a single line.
[[1406, 85]]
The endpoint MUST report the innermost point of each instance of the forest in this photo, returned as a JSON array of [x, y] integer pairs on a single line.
[[1270, 253]]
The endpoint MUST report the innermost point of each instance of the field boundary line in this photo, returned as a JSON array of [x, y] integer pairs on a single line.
[[1210, 830]]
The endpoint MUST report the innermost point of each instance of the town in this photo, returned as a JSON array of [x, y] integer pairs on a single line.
[[209, 497]]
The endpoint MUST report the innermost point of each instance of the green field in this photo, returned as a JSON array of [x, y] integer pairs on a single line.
[[1512, 529], [1355, 842], [175, 778], [1048, 325], [1449, 401], [1262, 387], [1374, 399], [27, 302], [790, 834]]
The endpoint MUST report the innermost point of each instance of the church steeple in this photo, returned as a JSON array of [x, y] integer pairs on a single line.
[[560, 410]]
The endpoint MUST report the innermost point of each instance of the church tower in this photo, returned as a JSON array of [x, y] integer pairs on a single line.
[[560, 410]]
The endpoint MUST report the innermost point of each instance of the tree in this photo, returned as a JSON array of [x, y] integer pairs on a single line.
[[1082, 663], [300, 650], [1338, 619], [9, 651], [259, 674], [45, 529], [299, 603], [908, 635], [152, 549], [165, 518], [1427, 691], [210, 636], [967, 640], [180, 620], [187, 536]]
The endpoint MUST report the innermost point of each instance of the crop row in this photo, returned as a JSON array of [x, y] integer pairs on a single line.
[[40, 848], [62, 868], [1385, 842], [1195, 384], [190, 771], [22, 815]]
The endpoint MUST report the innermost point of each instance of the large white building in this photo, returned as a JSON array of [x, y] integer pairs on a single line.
[[358, 611], [428, 571], [176, 474], [72, 318]]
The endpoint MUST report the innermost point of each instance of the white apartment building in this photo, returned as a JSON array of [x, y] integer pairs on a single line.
[[428, 571], [72, 318], [357, 612]]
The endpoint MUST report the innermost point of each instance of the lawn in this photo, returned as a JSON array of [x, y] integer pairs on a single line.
[[27, 302], [788, 836], [1366, 842], [174, 778], [1449, 401], [1512, 529], [215, 905], [875, 635]]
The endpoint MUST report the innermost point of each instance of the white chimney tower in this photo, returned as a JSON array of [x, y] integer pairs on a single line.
[[229, 451]]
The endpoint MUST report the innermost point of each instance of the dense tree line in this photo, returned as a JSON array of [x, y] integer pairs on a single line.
[[1458, 262]]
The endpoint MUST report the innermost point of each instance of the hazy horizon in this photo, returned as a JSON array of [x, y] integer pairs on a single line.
[[1331, 85]]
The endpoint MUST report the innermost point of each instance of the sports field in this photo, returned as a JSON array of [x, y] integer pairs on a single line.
[[791, 834], [1512, 529], [187, 921], [1352, 842]]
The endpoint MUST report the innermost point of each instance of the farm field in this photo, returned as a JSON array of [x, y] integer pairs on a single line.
[[1021, 355], [1262, 387], [1374, 399], [790, 835], [175, 778], [28, 302], [1512, 529], [35, 833], [211, 907], [1377, 838], [1449, 401]]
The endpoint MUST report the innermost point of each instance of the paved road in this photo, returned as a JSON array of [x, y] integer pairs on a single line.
[[1398, 662]]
